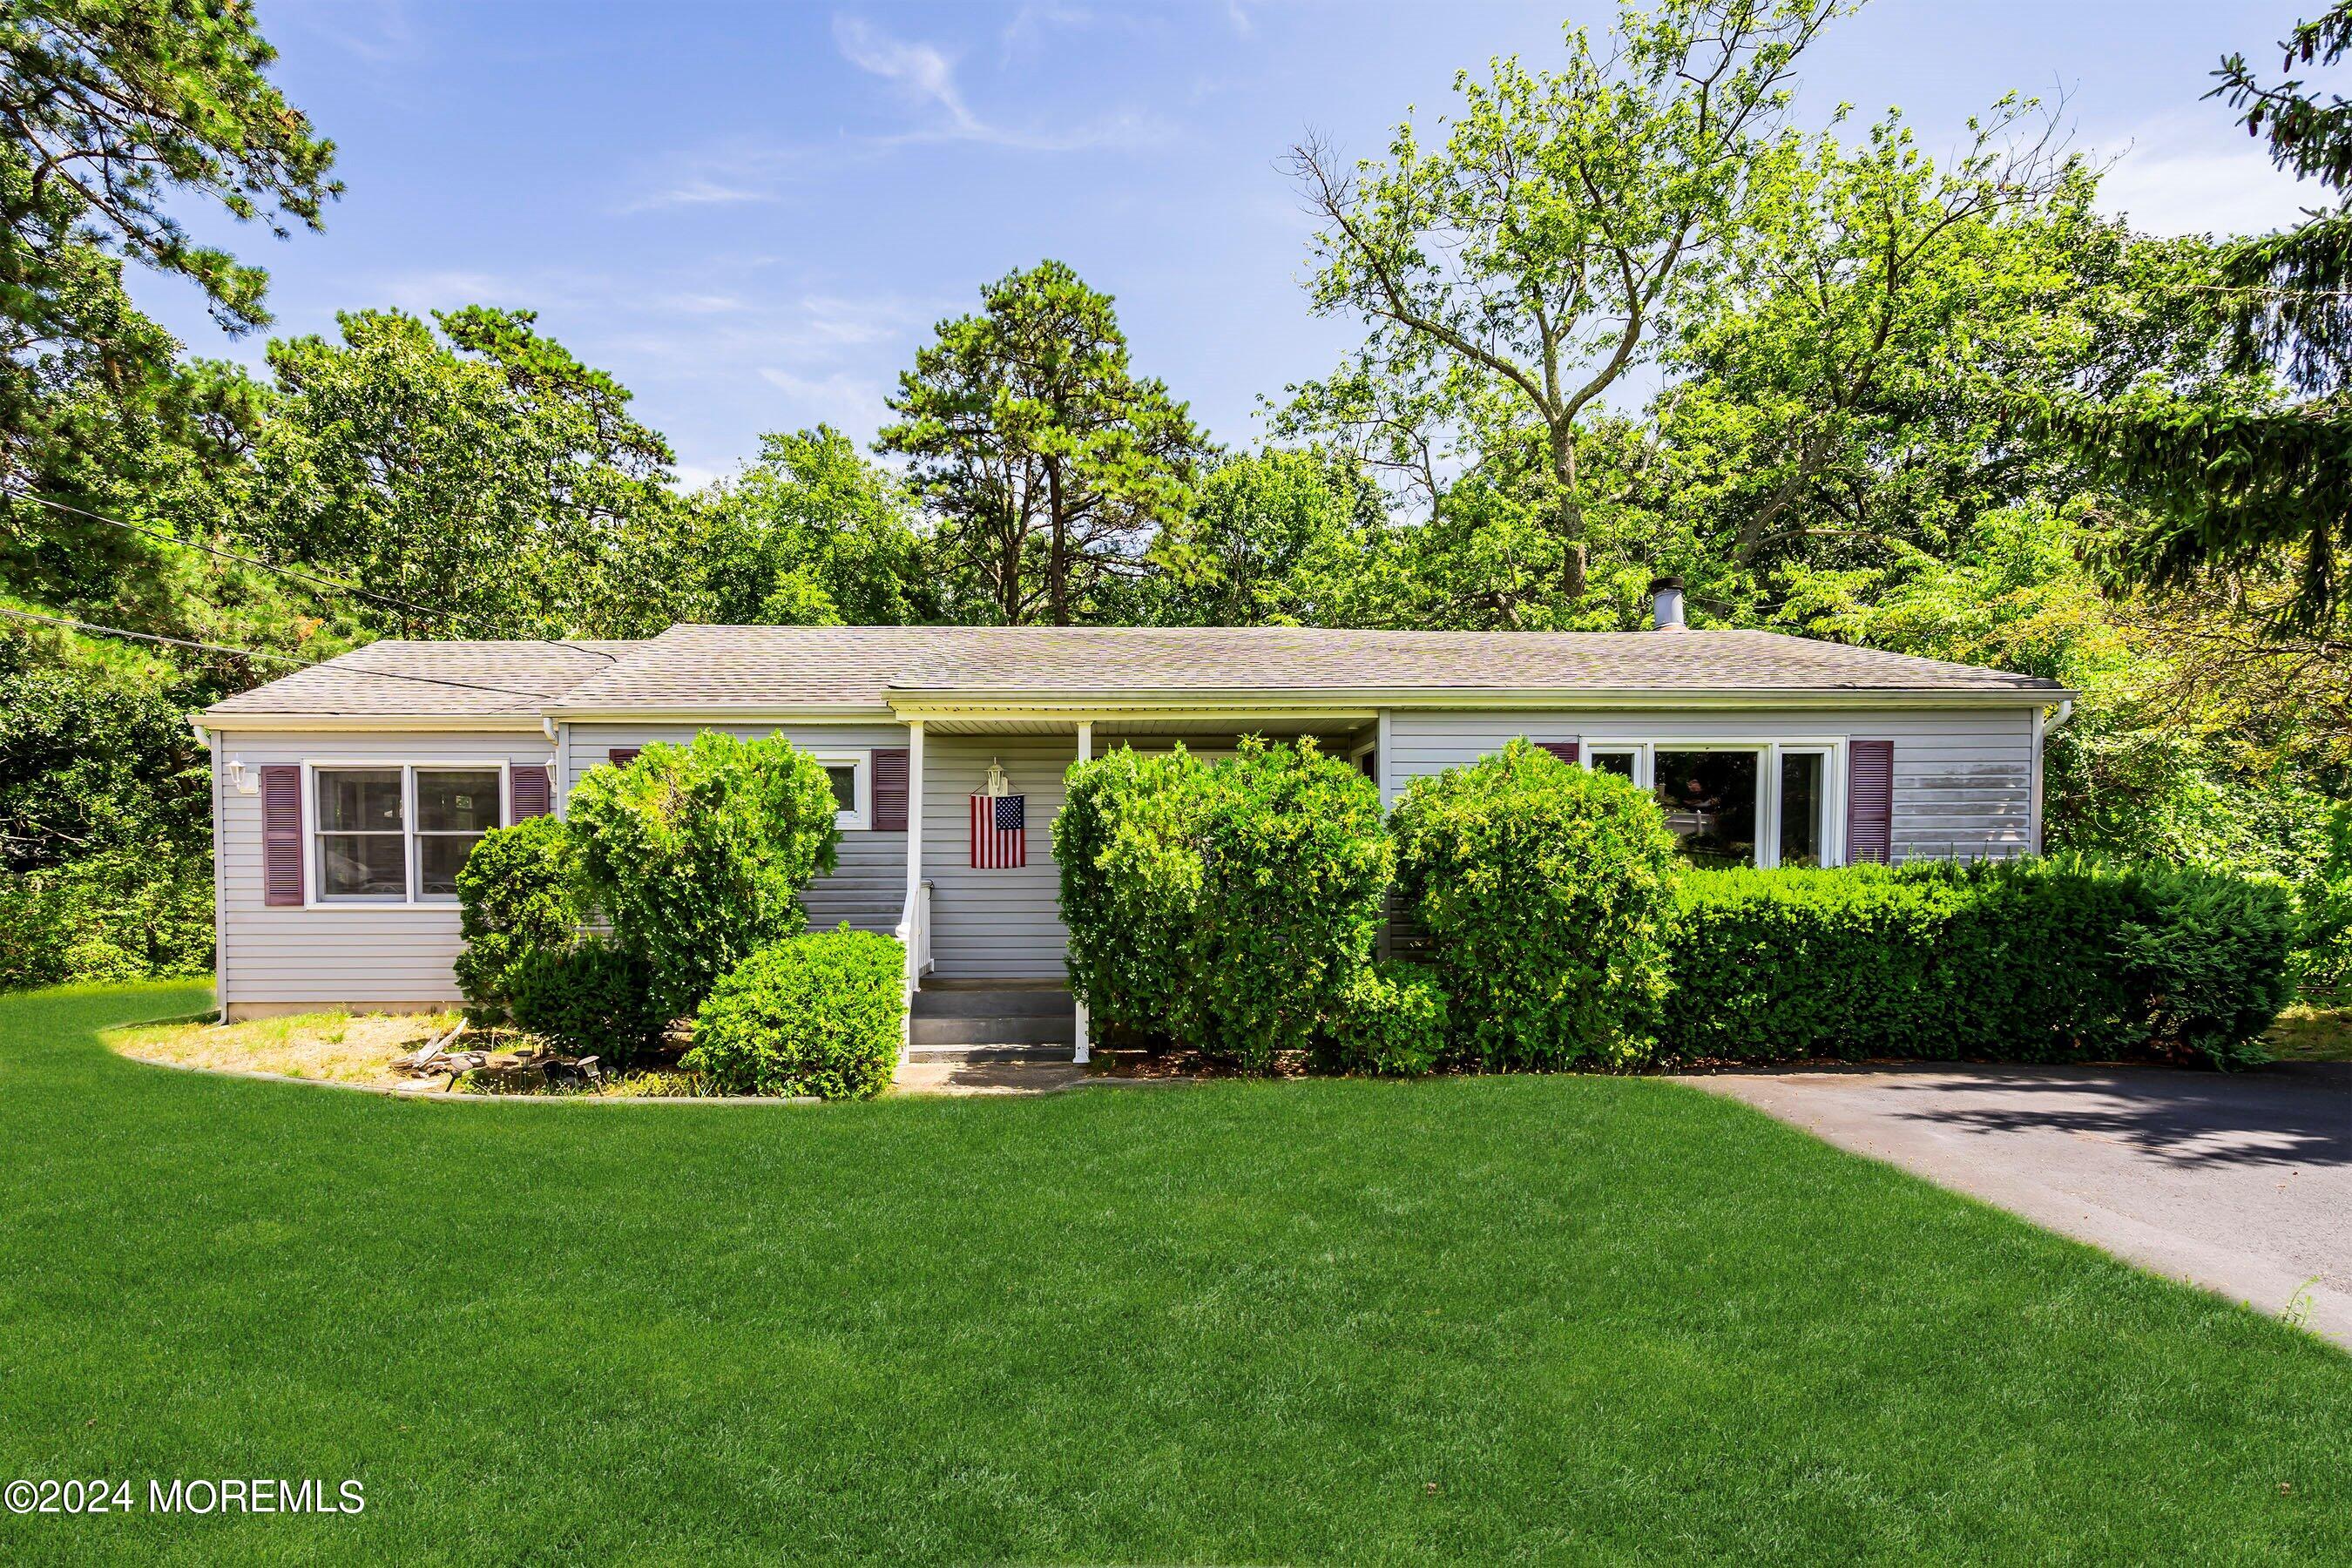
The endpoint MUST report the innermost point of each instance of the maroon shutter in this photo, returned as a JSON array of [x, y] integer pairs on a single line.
[[621, 756], [281, 834], [889, 782], [530, 790], [1869, 801], [1566, 751]]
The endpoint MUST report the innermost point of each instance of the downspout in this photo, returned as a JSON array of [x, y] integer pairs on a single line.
[[220, 890], [2041, 727], [555, 790]]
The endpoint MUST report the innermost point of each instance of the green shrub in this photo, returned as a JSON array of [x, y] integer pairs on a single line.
[[817, 1015], [695, 853], [2040, 960], [119, 914], [1393, 1021], [518, 891], [590, 997], [1229, 904], [1542, 892]]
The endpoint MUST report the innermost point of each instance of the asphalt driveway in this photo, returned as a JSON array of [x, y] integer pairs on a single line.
[[2240, 1182]]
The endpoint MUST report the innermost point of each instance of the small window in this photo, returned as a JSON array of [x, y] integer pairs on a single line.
[[399, 835], [851, 773], [1620, 762]]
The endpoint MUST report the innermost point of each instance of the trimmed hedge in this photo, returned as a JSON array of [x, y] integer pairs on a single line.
[[696, 853], [815, 1015], [590, 998], [1543, 891], [2042, 960], [1231, 905], [518, 892], [1394, 1021]]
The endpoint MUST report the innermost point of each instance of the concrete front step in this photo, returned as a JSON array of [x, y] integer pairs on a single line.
[[959, 1055], [1059, 1029], [1041, 1002]]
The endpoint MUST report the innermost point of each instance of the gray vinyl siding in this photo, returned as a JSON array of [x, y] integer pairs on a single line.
[[1963, 778], [356, 954], [1963, 788], [868, 885], [1003, 924]]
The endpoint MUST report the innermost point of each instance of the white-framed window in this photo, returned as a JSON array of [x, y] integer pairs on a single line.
[[395, 833], [1741, 802], [851, 773]]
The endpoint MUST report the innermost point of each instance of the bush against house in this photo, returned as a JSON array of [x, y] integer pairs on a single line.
[[818, 1015], [1394, 1021], [1542, 892], [589, 996], [1230, 904], [518, 892], [2055, 960], [696, 853]]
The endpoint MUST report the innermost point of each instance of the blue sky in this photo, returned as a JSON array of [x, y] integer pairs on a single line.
[[754, 213]]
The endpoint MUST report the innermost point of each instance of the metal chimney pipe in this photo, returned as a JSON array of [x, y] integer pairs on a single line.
[[1666, 604]]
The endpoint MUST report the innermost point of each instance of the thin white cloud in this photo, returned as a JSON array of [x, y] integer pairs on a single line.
[[924, 76], [849, 403], [2179, 176]]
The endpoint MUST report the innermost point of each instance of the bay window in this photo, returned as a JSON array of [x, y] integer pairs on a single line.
[[397, 834]]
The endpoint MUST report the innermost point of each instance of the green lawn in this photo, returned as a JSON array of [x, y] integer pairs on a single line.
[[1535, 1318]]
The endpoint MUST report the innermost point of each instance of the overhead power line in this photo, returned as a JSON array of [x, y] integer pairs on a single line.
[[313, 578], [91, 627]]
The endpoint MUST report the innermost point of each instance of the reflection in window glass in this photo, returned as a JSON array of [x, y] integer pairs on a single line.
[[457, 802], [363, 865], [359, 800], [1618, 763], [845, 785], [1800, 807], [1709, 799]]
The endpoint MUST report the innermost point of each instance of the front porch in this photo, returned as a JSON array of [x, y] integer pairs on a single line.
[[995, 931]]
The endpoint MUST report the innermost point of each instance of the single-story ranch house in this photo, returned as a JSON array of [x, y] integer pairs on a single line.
[[346, 795]]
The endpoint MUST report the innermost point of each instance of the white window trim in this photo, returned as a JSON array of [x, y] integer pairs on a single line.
[[1768, 781], [862, 819], [313, 894]]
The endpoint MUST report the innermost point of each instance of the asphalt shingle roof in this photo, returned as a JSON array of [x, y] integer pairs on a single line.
[[721, 668], [440, 679]]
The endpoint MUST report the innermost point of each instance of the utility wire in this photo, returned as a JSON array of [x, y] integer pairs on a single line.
[[93, 627], [312, 578]]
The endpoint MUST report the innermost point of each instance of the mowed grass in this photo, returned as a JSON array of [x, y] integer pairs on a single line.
[[1530, 1318]]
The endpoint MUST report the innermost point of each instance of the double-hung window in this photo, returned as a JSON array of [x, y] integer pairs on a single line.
[[393, 834], [1737, 803]]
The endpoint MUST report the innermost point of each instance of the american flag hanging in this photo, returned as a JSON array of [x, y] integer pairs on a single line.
[[999, 831]]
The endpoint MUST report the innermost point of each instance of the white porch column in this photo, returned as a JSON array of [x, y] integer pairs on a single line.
[[1085, 753], [914, 872]]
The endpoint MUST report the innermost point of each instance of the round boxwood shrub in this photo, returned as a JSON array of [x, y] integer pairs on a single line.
[[1543, 891], [696, 853], [1230, 905], [590, 997], [519, 890], [817, 1015], [1393, 1021]]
